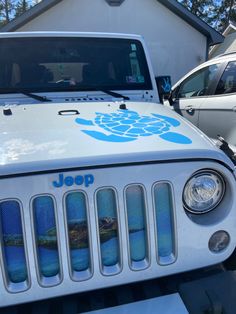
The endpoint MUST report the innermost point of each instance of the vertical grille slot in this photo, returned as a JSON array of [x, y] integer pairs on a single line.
[[137, 226], [78, 235], [108, 231], [13, 247], [46, 242], [164, 223]]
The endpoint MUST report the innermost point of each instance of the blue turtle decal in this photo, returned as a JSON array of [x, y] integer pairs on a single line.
[[127, 125]]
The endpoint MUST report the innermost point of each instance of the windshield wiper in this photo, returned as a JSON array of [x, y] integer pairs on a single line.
[[113, 94], [37, 97], [105, 91]]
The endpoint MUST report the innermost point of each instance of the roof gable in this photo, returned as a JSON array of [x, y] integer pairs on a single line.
[[230, 29], [213, 36]]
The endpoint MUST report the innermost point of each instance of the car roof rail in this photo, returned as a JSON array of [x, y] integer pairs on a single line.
[[225, 54]]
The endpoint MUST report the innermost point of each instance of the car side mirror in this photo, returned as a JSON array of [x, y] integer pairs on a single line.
[[163, 86]]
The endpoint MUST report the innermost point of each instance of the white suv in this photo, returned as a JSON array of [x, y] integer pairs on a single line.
[[102, 187], [206, 96]]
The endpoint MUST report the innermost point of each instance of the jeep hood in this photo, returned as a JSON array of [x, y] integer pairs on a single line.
[[39, 137]]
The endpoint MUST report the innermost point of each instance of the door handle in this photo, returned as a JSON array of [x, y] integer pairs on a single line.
[[189, 109], [234, 108]]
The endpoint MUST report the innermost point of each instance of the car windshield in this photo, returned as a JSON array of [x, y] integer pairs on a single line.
[[72, 63]]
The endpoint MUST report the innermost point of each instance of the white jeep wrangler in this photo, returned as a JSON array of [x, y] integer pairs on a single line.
[[102, 186]]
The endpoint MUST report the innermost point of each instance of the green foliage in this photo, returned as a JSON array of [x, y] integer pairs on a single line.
[[6, 10], [217, 13], [21, 7], [9, 9], [225, 13]]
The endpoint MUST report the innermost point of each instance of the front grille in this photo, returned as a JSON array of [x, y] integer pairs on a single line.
[[46, 234], [13, 248], [83, 230]]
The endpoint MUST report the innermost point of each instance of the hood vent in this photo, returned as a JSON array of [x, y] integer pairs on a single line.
[[75, 99]]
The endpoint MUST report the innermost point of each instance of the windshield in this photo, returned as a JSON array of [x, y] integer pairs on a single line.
[[72, 63]]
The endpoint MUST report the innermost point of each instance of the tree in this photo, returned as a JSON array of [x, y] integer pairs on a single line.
[[9, 9], [6, 10], [226, 12], [197, 7], [217, 13], [21, 7]]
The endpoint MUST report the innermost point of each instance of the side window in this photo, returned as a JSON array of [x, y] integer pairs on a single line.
[[227, 83], [198, 83]]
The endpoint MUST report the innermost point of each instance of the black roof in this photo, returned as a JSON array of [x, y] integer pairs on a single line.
[[213, 36]]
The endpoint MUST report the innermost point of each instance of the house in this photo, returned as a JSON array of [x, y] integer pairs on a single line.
[[229, 44], [177, 40]]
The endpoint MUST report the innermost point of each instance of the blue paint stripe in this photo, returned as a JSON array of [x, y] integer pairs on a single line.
[[78, 232], [108, 227], [13, 242], [46, 236], [136, 223], [164, 221]]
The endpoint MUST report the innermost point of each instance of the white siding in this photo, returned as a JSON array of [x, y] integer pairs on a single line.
[[174, 45]]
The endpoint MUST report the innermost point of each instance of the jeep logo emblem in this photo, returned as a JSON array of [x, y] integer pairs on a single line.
[[87, 180]]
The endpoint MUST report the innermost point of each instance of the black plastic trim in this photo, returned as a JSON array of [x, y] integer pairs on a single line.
[[40, 172]]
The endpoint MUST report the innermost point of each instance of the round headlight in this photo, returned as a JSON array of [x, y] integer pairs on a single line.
[[203, 192]]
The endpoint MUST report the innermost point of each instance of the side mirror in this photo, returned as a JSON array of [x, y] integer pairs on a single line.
[[163, 86]]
